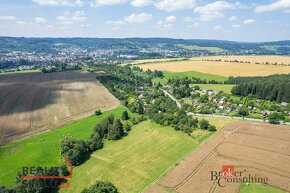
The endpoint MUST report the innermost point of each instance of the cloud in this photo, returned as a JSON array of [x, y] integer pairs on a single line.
[[40, 20], [99, 3], [7, 17], [277, 5], [213, 11], [236, 26], [249, 21], [167, 23], [138, 18], [233, 18], [118, 22], [68, 3], [69, 19], [217, 27], [170, 19], [141, 3], [172, 5]]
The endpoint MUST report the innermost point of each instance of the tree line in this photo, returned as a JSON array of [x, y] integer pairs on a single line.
[[273, 88]]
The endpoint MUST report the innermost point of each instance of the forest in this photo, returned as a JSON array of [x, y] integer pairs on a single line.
[[273, 88]]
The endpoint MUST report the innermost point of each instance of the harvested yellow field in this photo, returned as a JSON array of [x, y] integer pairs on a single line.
[[252, 59], [156, 60], [251, 65]]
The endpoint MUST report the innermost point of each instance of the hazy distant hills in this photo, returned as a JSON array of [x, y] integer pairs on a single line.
[[50, 45]]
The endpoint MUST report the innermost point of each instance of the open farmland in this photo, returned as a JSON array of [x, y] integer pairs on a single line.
[[34, 102], [259, 150], [135, 161], [43, 149], [218, 66]]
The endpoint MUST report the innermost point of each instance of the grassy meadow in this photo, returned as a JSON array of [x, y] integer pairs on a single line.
[[203, 76], [135, 161], [44, 149], [258, 188], [23, 71]]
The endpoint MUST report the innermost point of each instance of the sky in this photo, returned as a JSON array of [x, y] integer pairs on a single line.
[[244, 20]]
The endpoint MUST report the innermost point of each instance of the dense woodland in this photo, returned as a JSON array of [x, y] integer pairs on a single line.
[[274, 88]]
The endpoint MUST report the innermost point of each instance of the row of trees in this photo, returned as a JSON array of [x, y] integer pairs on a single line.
[[176, 82], [101, 187], [110, 128], [274, 87]]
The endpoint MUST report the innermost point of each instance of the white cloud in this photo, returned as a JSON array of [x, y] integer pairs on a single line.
[[21, 22], [217, 27], [7, 17], [211, 16], [249, 21], [138, 18], [69, 3], [276, 5], [172, 5], [170, 19], [233, 18], [213, 11], [167, 23], [236, 26], [99, 3], [118, 22], [40, 20], [69, 19], [141, 3]]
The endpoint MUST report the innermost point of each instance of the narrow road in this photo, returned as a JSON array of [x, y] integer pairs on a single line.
[[172, 97], [216, 115]]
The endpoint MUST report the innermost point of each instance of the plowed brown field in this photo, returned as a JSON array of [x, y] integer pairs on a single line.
[[34, 102], [259, 150]]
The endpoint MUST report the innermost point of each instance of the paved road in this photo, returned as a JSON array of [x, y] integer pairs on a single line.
[[172, 97], [216, 115]]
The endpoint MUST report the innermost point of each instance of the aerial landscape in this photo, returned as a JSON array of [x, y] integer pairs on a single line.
[[144, 96]]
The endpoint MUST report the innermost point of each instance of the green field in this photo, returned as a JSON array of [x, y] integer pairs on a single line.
[[216, 87], [135, 161], [258, 188], [203, 76], [23, 71], [194, 47], [44, 149]]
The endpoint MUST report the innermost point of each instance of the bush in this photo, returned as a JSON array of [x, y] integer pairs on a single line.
[[212, 128], [101, 187], [98, 112], [203, 124], [275, 118], [125, 115]]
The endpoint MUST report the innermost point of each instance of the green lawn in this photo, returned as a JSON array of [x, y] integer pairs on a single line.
[[216, 87], [258, 188], [135, 161], [201, 75], [23, 71], [44, 149]]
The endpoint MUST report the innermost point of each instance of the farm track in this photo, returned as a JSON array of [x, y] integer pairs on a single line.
[[241, 145], [35, 102]]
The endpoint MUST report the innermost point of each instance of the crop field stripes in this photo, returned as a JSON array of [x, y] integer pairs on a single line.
[[235, 144]]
